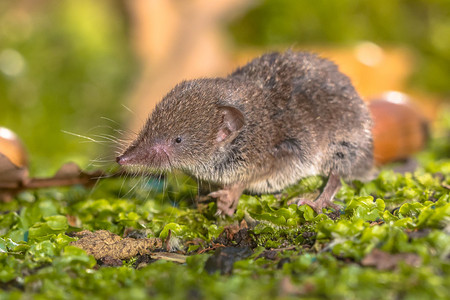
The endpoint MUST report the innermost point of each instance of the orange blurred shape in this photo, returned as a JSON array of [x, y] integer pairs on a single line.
[[399, 129], [12, 148], [373, 69]]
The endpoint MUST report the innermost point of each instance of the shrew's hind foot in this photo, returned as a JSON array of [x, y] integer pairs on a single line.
[[325, 199]]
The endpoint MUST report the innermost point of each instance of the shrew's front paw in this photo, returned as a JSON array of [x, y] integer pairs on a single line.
[[228, 199], [226, 203]]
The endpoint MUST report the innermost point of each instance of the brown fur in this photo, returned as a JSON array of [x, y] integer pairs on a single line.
[[276, 120]]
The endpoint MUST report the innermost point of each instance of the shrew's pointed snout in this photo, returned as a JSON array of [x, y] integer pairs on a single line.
[[156, 155], [123, 159], [131, 156], [120, 160]]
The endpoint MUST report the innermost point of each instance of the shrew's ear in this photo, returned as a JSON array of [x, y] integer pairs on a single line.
[[231, 123]]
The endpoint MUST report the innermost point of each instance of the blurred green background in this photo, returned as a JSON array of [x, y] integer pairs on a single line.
[[63, 66], [421, 25], [66, 64]]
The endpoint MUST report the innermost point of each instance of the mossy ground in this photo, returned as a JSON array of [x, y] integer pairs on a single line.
[[295, 252]]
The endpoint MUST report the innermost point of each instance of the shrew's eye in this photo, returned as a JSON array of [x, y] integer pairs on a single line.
[[178, 140]]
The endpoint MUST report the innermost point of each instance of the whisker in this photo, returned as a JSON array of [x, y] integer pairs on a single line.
[[127, 108], [110, 120], [108, 138], [123, 132], [80, 136]]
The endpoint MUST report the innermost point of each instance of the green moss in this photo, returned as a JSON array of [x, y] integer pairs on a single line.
[[317, 256]]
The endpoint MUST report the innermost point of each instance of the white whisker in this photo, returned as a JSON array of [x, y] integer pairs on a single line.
[[80, 136]]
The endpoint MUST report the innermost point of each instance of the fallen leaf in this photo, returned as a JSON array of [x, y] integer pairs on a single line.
[[143, 260], [108, 261], [269, 254], [73, 221], [287, 288], [236, 235], [223, 259], [418, 233], [385, 261]]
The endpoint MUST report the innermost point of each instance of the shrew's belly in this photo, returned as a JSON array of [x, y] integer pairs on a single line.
[[282, 177]]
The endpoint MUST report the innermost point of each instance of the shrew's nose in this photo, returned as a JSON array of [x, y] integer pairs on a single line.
[[122, 160]]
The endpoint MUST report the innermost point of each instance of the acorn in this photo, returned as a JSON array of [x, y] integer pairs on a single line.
[[12, 148], [400, 130], [13, 162]]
